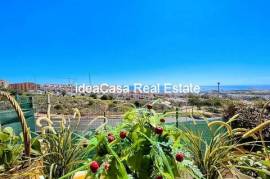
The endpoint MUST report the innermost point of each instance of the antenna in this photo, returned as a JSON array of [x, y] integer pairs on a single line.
[[218, 83]]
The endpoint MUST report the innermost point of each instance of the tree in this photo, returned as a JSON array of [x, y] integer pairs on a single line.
[[104, 97], [137, 104], [195, 101], [63, 93], [93, 95]]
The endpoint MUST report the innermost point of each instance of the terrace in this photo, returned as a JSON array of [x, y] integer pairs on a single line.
[[107, 146]]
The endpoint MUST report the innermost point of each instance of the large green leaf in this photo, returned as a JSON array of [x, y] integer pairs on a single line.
[[4, 137]]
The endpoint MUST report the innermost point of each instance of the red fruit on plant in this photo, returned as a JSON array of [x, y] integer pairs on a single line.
[[149, 106], [159, 177], [123, 134], [159, 130], [162, 120], [180, 157], [106, 166], [110, 138], [94, 166]]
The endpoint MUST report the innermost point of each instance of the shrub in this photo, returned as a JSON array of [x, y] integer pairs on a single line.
[[148, 149], [58, 107], [64, 151], [211, 158], [104, 97], [214, 101], [229, 110], [223, 154], [63, 93], [112, 107], [213, 110], [11, 148], [93, 95], [249, 117], [195, 101], [137, 104], [91, 102]]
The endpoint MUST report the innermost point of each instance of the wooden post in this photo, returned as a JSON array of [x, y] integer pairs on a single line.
[[177, 116], [49, 106], [104, 120]]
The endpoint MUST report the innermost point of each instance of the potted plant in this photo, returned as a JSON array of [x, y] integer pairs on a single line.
[[18, 159]]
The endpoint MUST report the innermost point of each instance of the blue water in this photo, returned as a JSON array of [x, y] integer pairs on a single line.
[[237, 88], [228, 88]]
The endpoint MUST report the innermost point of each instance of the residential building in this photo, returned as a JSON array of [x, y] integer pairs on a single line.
[[24, 87]]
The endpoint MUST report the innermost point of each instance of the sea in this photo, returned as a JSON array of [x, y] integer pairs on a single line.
[[236, 88], [226, 88]]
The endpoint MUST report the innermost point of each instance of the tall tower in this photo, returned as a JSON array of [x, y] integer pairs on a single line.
[[218, 88]]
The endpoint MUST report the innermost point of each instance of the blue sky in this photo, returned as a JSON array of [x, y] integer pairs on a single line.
[[136, 41]]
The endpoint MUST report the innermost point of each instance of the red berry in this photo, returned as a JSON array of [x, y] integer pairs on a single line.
[[106, 166], [159, 177], [94, 166], [149, 106], [111, 138], [180, 157], [162, 120], [159, 130], [123, 134]]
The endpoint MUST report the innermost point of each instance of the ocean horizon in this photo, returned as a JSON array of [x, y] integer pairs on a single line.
[[236, 88], [225, 88]]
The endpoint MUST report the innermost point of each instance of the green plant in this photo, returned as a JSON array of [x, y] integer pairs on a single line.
[[12, 160], [63, 93], [93, 95], [64, 151], [214, 158], [254, 161], [195, 101], [229, 110], [11, 149], [137, 143], [106, 97], [58, 107], [224, 153], [249, 117]]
